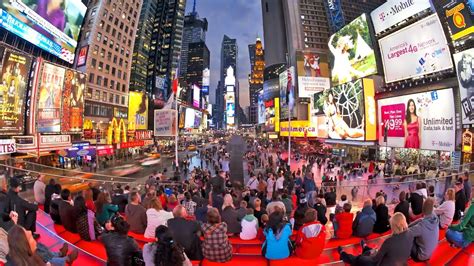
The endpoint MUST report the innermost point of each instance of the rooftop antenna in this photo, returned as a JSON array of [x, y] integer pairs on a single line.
[[194, 7]]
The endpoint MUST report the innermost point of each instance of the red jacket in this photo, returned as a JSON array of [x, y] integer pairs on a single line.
[[310, 240], [344, 224]]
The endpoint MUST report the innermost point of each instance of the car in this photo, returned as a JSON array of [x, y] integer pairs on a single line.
[[192, 148]]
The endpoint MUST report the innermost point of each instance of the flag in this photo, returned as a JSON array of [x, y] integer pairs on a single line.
[[291, 93], [170, 103]]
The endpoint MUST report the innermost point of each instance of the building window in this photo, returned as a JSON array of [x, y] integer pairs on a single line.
[[104, 96], [102, 52], [111, 44], [111, 98], [107, 29], [118, 86], [91, 78], [89, 93], [101, 24], [123, 100], [97, 95], [109, 56], [88, 33], [113, 32], [117, 99], [113, 71], [123, 87], [112, 84], [99, 81], [106, 82], [119, 73], [99, 36], [96, 50], [104, 42], [93, 62], [101, 65]]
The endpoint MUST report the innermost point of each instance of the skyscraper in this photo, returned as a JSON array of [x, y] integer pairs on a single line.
[[141, 49], [194, 31], [165, 47], [110, 34], [257, 64], [228, 59], [198, 60]]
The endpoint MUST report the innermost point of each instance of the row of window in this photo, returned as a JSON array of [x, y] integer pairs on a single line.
[[105, 97], [105, 82]]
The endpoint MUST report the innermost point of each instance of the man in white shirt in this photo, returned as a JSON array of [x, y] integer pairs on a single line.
[[39, 189], [252, 184], [270, 185], [280, 181]]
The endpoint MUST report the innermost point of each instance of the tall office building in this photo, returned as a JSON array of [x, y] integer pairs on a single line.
[[228, 59], [194, 30], [257, 64], [141, 49], [109, 31], [198, 60], [165, 47]]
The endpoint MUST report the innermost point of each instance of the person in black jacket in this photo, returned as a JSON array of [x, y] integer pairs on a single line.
[[300, 211], [321, 210], [51, 188], [460, 200], [120, 248], [67, 212], [416, 202], [186, 233], [382, 223], [26, 210], [403, 206]]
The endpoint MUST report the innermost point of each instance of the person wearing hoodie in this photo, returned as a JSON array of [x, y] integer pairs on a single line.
[[343, 222], [363, 224], [311, 238], [249, 226], [462, 234], [445, 211], [277, 233], [425, 232]]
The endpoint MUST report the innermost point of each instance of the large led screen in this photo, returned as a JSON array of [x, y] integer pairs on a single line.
[[419, 121], [351, 52], [196, 96], [270, 116], [261, 108], [52, 25], [415, 51], [285, 97], [73, 102], [189, 118], [345, 111], [13, 85], [49, 98], [313, 73], [464, 62], [138, 110], [459, 17]]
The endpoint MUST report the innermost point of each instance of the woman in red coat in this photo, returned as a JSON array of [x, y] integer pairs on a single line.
[[343, 222], [311, 237]]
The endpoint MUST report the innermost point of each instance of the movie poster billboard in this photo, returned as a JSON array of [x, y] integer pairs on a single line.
[[345, 113], [415, 51], [52, 25], [419, 121], [137, 110], [14, 74], [49, 98], [313, 73], [261, 108], [73, 102], [352, 54], [464, 62]]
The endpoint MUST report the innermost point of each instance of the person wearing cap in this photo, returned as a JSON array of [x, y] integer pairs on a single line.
[[26, 210], [300, 212]]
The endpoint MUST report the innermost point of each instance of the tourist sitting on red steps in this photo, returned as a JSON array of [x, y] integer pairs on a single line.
[[311, 238]]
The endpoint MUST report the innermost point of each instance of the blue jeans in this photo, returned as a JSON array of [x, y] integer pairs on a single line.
[[456, 238]]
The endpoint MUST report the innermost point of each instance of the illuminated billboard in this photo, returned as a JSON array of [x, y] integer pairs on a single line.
[[464, 62], [53, 26], [415, 51], [284, 93], [14, 74], [349, 110], [459, 15], [49, 98], [261, 108], [270, 116], [137, 110], [196, 96], [313, 73], [423, 120], [206, 73], [189, 118], [352, 54], [73, 102]]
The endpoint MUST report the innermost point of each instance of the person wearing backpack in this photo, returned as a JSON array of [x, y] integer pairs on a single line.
[[363, 224], [277, 233], [311, 238]]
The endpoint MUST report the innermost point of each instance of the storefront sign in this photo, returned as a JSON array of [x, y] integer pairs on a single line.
[[105, 150], [143, 134], [131, 144], [467, 141], [299, 129], [395, 11], [415, 51], [419, 121], [7, 146], [55, 140]]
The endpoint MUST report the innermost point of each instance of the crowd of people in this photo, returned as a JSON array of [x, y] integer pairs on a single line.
[[197, 218]]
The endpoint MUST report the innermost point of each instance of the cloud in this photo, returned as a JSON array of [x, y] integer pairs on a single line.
[[239, 19]]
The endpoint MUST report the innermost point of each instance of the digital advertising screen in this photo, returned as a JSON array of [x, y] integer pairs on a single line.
[[345, 113], [419, 121], [352, 53], [261, 108], [49, 98], [73, 102], [285, 96], [206, 73], [52, 25], [459, 15], [189, 118], [197, 119], [271, 89], [196, 96], [230, 109], [312, 69], [415, 51], [14, 74], [270, 115], [138, 110], [464, 63]]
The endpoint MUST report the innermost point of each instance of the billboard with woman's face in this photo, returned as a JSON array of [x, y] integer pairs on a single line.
[[464, 62], [49, 98], [419, 121], [73, 102]]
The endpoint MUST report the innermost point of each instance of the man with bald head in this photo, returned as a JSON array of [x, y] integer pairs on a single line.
[[186, 233]]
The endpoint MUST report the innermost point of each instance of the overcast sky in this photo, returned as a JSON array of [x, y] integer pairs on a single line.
[[239, 19]]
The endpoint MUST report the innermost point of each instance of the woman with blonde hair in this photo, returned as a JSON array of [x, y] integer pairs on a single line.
[[382, 223], [395, 250], [156, 216], [446, 210]]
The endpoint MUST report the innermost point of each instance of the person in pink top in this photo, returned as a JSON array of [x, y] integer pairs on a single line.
[[412, 126]]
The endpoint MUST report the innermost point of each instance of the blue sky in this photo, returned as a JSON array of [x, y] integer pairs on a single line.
[[240, 19]]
